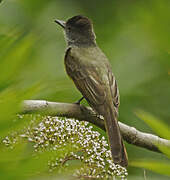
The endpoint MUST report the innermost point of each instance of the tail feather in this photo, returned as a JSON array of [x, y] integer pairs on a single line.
[[117, 147], [124, 161]]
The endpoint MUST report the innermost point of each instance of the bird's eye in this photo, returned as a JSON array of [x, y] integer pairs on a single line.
[[69, 28]]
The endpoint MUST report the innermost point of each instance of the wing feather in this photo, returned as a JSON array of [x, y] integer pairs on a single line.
[[86, 80], [114, 90]]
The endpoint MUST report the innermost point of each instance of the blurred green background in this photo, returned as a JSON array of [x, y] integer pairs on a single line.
[[135, 36]]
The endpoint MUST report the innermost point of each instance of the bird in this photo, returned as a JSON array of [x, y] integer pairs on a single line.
[[91, 72]]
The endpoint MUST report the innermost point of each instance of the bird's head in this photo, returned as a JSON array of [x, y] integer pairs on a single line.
[[78, 30]]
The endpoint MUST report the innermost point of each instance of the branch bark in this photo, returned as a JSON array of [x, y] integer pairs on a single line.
[[82, 113]]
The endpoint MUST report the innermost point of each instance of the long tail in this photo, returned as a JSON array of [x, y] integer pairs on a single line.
[[117, 147]]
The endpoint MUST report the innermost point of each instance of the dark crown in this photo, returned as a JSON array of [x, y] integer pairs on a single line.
[[79, 21]]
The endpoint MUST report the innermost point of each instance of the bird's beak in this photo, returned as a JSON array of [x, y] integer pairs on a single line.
[[61, 23]]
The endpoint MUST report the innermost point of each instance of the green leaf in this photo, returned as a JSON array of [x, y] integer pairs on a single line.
[[156, 124], [21, 163], [11, 64], [155, 166], [165, 150]]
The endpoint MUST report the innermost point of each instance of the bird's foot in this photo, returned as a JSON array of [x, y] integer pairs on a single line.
[[78, 102]]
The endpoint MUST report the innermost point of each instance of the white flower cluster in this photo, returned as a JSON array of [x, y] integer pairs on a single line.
[[85, 144]]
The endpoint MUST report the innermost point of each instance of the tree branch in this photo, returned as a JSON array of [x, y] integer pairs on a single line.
[[82, 113]]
